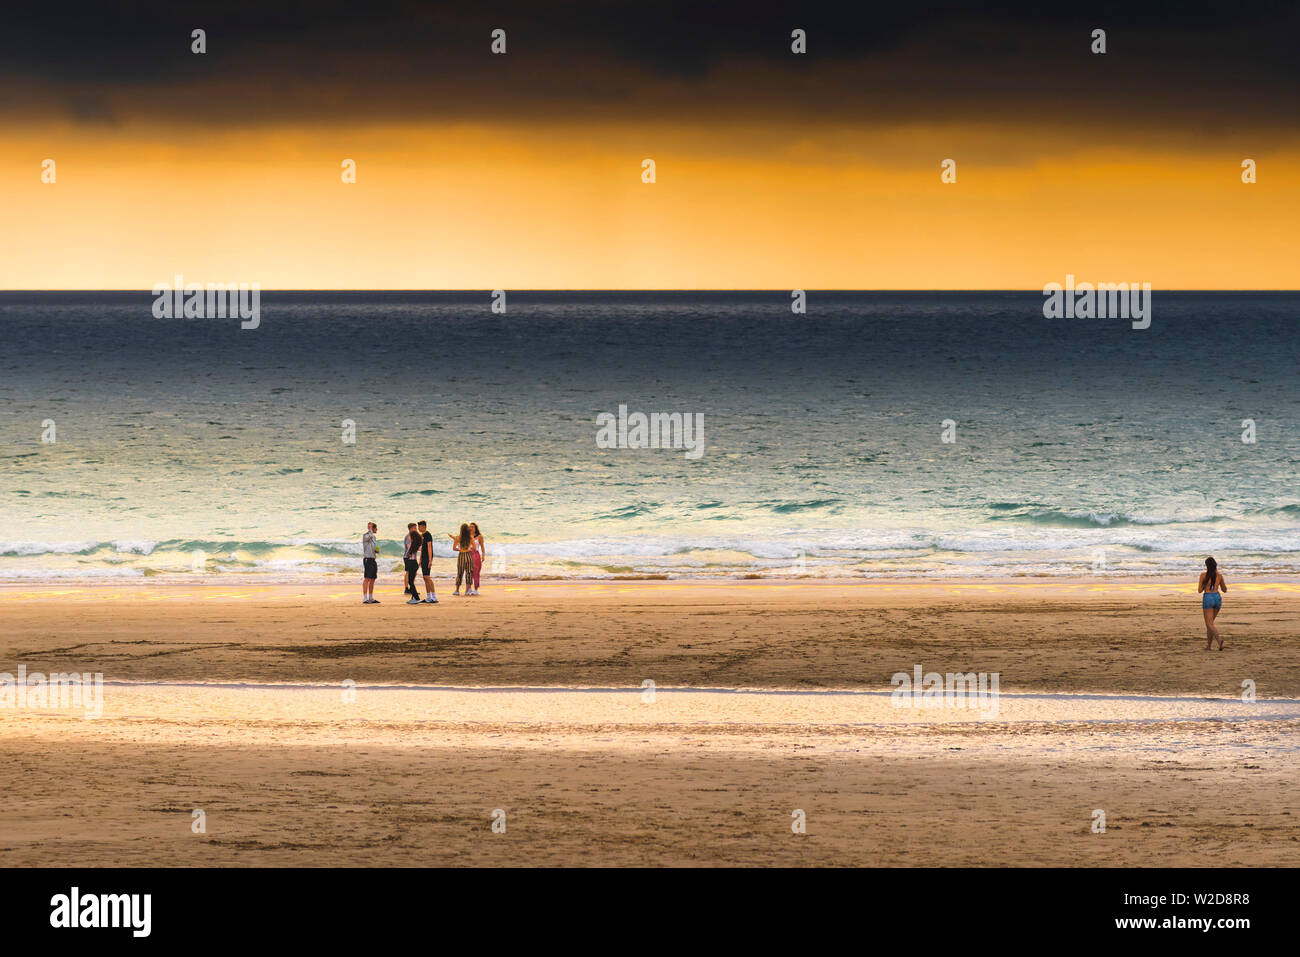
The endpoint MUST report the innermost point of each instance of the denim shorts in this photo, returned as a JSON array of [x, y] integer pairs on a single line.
[[1212, 600]]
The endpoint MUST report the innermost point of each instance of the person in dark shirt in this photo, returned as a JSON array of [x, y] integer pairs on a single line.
[[426, 560], [410, 559]]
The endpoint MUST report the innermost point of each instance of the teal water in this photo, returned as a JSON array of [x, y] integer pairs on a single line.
[[1081, 445]]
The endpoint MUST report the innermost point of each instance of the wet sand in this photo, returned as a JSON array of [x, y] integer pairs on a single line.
[[1106, 703], [1091, 635]]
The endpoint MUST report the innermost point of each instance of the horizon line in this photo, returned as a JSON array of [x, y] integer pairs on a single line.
[[772, 289]]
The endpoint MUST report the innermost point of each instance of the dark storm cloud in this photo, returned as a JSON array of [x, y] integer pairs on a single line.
[[1201, 64]]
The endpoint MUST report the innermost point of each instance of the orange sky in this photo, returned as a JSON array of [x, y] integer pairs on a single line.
[[455, 206]]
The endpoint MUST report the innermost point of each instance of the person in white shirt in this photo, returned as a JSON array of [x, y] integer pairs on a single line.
[[369, 564]]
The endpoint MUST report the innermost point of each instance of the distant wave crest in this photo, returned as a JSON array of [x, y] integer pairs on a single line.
[[1034, 514]]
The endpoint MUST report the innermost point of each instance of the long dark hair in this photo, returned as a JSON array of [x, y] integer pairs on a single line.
[[464, 535], [1211, 574], [475, 529]]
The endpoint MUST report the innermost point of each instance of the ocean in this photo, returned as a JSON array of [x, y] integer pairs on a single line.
[[186, 448]]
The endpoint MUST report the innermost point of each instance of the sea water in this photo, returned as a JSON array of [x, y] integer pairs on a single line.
[[879, 435]]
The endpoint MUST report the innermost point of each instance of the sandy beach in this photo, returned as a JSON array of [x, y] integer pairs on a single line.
[[311, 730], [1088, 635]]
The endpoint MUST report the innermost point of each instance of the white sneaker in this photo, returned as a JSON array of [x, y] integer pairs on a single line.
[[414, 601]]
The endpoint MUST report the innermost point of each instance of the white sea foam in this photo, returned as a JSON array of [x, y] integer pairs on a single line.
[[45, 548], [95, 573], [134, 548], [1246, 545]]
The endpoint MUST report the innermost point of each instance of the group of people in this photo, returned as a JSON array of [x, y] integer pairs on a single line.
[[470, 552], [417, 558]]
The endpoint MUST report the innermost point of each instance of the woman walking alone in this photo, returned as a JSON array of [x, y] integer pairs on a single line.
[[1212, 586]]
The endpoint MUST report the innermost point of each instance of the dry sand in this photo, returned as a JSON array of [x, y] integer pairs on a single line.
[[303, 776]]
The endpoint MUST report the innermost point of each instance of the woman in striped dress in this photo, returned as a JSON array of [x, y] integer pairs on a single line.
[[464, 546]]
